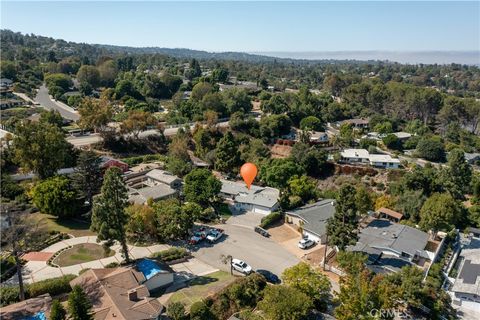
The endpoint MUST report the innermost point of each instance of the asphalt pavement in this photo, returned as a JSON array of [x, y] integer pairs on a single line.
[[241, 242], [43, 98]]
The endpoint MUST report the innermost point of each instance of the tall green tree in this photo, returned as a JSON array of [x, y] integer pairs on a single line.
[[89, 74], [458, 175], [57, 311], [87, 178], [79, 306], [313, 283], [41, 147], [285, 303], [341, 228], [441, 212], [173, 220], [55, 196], [227, 154], [201, 186], [108, 216]]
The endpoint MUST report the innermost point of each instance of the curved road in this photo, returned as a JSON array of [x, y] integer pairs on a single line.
[[43, 98]]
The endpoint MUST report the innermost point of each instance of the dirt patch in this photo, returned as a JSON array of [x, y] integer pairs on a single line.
[[282, 232], [280, 151]]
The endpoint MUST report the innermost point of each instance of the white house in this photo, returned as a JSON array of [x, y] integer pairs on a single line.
[[362, 156], [465, 291], [318, 137], [355, 156], [383, 161], [262, 200]]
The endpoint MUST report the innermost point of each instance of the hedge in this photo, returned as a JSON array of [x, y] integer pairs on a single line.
[[271, 219], [54, 286], [131, 161], [171, 254]]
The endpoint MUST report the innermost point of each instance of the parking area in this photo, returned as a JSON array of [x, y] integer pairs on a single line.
[[241, 242], [286, 236]]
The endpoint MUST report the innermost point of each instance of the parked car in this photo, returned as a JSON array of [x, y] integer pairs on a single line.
[[269, 276], [198, 236], [214, 235], [305, 243], [262, 231], [241, 266]]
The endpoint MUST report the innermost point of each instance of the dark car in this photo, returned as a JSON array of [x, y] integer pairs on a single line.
[[271, 277], [262, 231]]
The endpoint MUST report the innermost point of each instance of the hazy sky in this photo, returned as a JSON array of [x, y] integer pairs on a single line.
[[254, 26]]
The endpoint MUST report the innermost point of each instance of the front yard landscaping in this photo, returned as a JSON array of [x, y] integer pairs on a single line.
[[47, 223], [202, 287], [81, 253]]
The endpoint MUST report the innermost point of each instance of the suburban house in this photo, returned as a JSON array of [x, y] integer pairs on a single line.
[[472, 158], [390, 246], [156, 177], [317, 137], [5, 83], [107, 162], [362, 156], [385, 213], [379, 136], [465, 291], [355, 156], [262, 200], [356, 123], [312, 219], [124, 293], [156, 193], [383, 161], [31, 309]]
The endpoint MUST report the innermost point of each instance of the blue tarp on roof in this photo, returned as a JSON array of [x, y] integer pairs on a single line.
[[37, 316], [149, 268]]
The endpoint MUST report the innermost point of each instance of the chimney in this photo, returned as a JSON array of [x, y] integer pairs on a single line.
[[132, 295]]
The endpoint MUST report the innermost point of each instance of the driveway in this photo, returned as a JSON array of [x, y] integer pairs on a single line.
[[243, 243], [247, 219], [288, 237]]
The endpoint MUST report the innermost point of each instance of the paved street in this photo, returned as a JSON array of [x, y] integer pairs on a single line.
[[242, 242], [45, 101]]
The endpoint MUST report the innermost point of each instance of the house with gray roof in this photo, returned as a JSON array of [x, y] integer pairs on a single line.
[[472, 158], [157, 176], [465, 291], [156, 193], [390, 246], [258, 199], [312, 219]]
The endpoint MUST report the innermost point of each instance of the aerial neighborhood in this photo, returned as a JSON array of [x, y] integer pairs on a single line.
[[151, 183]]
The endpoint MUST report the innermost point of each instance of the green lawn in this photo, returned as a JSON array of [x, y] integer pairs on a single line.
[[202, 287], [81, 253], [224, 211], [49, 223]]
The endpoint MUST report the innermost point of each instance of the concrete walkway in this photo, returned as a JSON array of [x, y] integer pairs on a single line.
[[34, 271]]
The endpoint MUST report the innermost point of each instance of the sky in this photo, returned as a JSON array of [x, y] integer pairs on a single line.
[[263, 26]]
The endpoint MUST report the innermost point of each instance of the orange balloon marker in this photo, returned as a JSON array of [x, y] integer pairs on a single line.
[[248, 172]]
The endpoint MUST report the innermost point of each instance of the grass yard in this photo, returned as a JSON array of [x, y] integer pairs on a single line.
[[49, 223], [81, 253], [202, 287], [224, 211]]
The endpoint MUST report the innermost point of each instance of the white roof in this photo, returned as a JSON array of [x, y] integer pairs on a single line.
[[382, 158], [162, 176], [403, 135], [355, 153]]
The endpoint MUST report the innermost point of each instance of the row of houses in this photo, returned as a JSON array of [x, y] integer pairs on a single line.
[[362, 156], [388, 244]]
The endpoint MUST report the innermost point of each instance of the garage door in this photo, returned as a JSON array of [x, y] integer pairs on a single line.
[[261, 210], [311, 236]]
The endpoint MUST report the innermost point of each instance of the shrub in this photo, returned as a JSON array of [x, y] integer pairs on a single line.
[[131, 161], [171, 254], [112, 265], [271, 219], [54, 286]]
